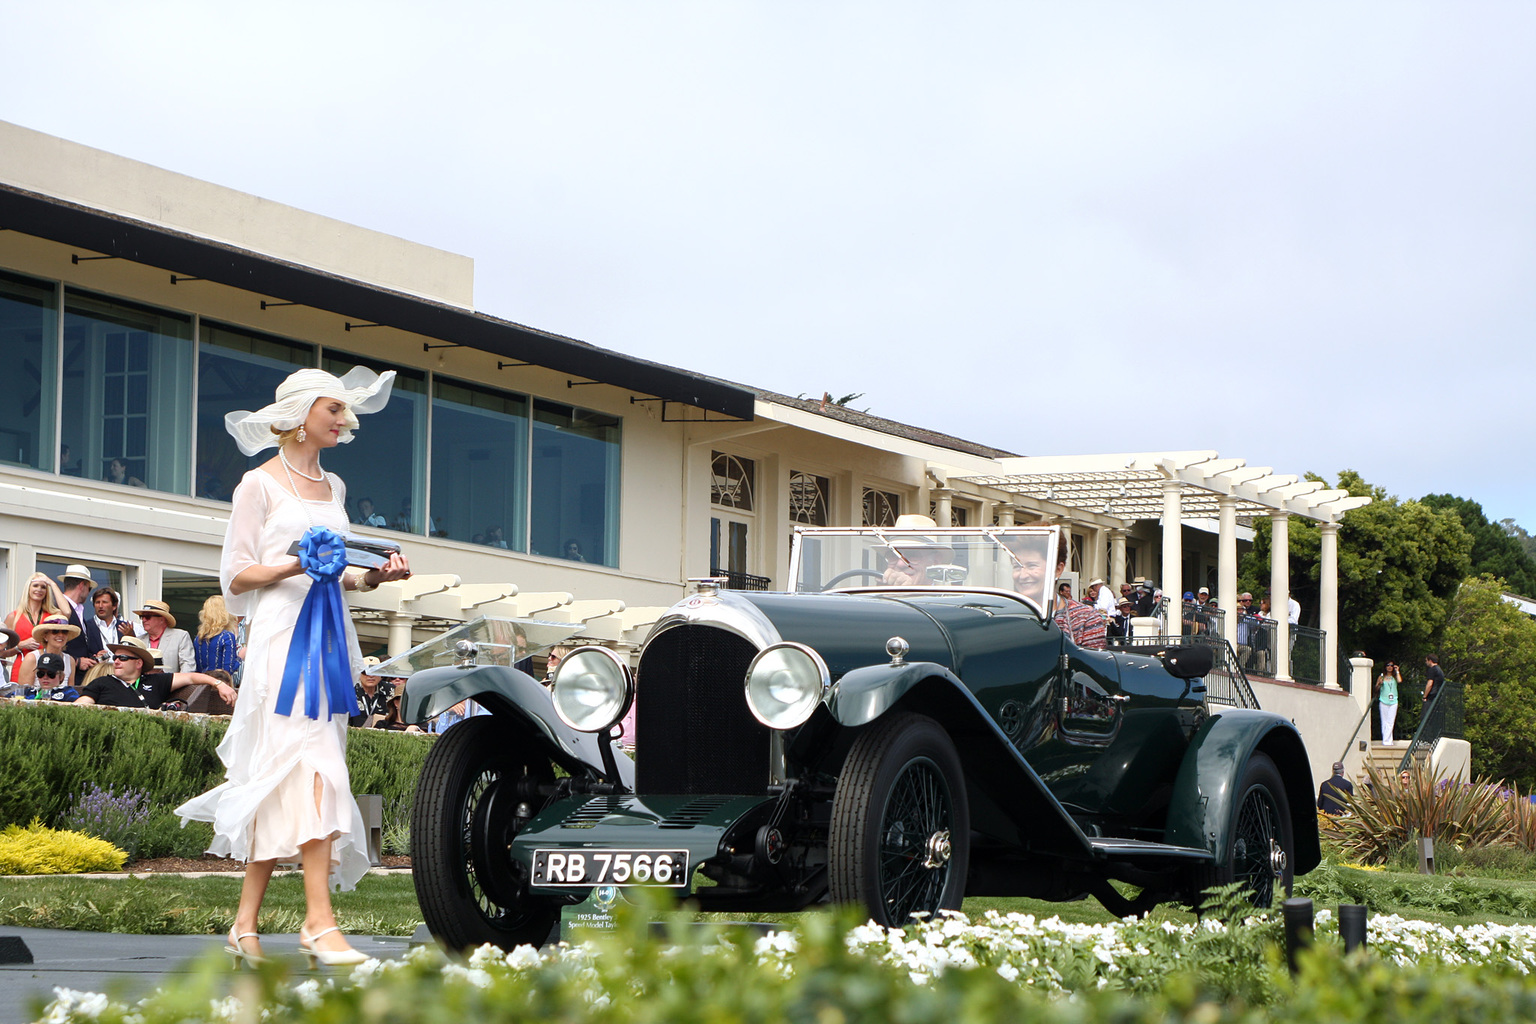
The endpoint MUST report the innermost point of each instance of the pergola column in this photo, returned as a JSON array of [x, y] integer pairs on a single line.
[[1280, 590], [1328, 602], [1004, 511], [399, 632], [1226, 565], [943, 505], [1173, 551], [1117, 559]]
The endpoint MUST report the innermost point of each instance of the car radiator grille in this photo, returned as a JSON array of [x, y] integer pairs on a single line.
[[693, 731]]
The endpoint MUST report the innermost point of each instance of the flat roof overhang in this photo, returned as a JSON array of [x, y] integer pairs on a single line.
[[109, 234]]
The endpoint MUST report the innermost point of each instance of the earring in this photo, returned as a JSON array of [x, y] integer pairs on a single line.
[[302, 435]]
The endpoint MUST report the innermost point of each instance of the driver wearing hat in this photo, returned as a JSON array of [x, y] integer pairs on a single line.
[[908, 559], [134, 682]]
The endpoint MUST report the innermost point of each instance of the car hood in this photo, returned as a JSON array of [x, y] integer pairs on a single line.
[[850, 630]]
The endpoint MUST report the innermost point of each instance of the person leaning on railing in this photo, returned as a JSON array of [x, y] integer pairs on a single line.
[[135, 684]]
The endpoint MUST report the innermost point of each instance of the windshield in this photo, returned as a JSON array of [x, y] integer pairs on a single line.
[[1018, 559], [500, 642]]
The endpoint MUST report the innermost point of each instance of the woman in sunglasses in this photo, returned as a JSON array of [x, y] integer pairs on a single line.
[[53, 633], [134, 683]]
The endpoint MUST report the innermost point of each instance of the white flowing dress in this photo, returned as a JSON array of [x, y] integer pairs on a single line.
[[267, 808]]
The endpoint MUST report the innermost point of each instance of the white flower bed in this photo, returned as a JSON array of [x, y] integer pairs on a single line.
[[1051, 954]]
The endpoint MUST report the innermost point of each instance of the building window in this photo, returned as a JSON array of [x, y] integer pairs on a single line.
[[808, 498], [1077, 562], [959, 515], [235, 370], [881, 507], [574, 484], [386, 461], [479, 464], [101, 576], [730, 484], [127, 375], [29, 339]]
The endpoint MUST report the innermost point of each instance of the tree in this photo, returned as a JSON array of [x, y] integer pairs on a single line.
[[1399, 566], [1489, 646], [1526, 541], [1494, 551]]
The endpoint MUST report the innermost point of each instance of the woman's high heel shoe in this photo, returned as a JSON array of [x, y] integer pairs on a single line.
[[238, 954], [328, 957]]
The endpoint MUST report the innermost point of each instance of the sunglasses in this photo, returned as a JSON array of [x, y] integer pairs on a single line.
[[47, 675], [125, 657]]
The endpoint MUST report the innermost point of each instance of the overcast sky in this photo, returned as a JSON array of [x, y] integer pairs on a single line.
[[1299, 234]]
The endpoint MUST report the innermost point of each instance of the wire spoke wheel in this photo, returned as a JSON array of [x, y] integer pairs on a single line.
[[900, 830], [1260, 848], [472, 797]]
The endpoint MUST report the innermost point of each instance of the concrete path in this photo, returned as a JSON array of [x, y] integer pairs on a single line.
[[126, 967]]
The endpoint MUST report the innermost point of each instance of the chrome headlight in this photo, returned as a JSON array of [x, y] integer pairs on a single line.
[[592, 689], [785, 682]]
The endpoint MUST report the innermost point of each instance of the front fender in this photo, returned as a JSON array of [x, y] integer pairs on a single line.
[[1204, 791], [506, 691], [864, 694]]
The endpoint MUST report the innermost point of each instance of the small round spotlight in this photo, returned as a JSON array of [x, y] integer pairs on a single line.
[[785, 682], [592, 689]]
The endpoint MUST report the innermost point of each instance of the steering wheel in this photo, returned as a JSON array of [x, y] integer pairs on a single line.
[[849, 574]]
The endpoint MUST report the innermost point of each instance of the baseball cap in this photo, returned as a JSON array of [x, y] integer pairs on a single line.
[[50, 665]]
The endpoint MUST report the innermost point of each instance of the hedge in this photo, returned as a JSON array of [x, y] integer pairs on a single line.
[[823, 973], [49, 754]]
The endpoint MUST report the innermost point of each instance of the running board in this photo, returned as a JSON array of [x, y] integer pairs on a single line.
[[1109, 848]]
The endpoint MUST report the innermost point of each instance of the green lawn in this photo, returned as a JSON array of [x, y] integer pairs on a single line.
[[386, 904]]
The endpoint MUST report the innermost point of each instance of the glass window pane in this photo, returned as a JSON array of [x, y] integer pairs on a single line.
[[137, 361], [236, 370], [575, 484], [29, 350], [386, 459], [479, 464]]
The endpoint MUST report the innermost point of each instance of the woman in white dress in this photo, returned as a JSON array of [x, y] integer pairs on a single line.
[[287, 793]]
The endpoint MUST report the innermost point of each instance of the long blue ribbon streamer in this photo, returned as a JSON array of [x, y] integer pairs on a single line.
[[317, 654]]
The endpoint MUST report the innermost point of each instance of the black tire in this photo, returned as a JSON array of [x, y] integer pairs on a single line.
[[900, 833], [471, 891], [1261, 849]]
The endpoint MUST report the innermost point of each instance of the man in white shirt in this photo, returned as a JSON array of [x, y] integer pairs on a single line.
[[76, 585], [1102, 597]]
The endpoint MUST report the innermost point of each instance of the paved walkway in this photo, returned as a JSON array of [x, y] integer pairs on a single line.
[[125, 966]]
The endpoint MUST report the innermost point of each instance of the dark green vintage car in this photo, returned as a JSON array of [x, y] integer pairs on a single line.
[[907, 727]]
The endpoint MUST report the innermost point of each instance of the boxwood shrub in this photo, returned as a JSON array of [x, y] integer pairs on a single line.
[[49, 754]]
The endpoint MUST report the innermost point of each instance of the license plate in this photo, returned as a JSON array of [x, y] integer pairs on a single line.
[[553, 868]]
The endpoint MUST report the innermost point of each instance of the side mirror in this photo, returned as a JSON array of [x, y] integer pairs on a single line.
[[1188, 661]]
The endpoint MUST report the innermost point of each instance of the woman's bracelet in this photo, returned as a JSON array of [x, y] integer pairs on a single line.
[[363, 586]]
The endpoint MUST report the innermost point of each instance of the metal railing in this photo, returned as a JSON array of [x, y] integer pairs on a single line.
[[1442, 718], [742, 580], [1226, 683], [1307, 648], [1199, 621]]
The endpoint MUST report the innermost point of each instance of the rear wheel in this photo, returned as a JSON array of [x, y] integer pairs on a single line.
[[1260, 847], [900, 831], [477, 788]]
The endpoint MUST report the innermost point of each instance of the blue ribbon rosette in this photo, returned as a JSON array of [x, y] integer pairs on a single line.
[[317, 654]]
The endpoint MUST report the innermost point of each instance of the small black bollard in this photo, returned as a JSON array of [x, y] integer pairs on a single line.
[[1352, 926], [1298, 928]]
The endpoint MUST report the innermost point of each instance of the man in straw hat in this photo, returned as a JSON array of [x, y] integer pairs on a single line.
[[175, 645], [134, 683], [76, 585], [909, 558]]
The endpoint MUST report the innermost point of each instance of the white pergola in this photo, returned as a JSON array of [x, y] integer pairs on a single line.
[[1176, 486]]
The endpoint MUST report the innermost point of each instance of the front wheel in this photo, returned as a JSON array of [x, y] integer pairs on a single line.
[[478, 786], [899, 840], [1261, 850]]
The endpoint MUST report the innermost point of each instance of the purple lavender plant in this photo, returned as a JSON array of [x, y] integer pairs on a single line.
[[106, 815]]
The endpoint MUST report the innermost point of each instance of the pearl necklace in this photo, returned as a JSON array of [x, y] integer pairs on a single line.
[[288, 468], [294, 469]]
